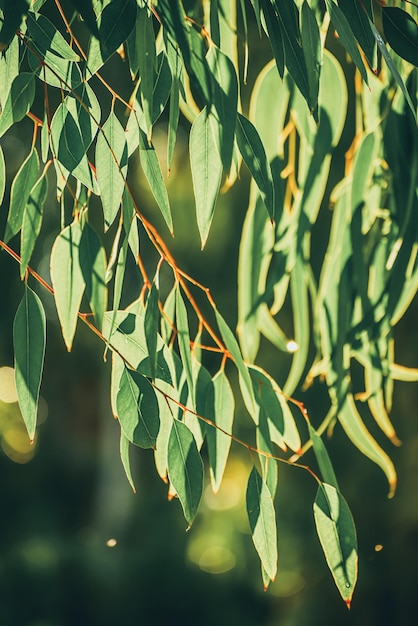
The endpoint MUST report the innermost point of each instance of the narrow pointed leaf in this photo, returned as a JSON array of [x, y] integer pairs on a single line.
[[151, 325], [22, 184], [32, 220], [253, 153], [183, 337], [29, 337], [401, 31], [67, 279], [185, 469], [111, 166], [92, 260], [220, 406], [262, 518], [66, 139], [244, 376], [116, 22], [137, 409], [152, 170], [2, 175], [206, 168], [124, 455], [322, 457], [225, 91], [19, 101], [337, 534], [345, 33]]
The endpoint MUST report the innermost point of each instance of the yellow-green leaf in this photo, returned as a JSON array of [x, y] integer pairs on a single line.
[[29, 336]]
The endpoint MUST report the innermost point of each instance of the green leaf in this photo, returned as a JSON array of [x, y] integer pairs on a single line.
[[19, 101], [345, 33], [29, 337], [137, 409], [220, 406], [185, 469], [337, 534], [124, 455], [225, 100], [253, 153], [295, 59], [92, 259], [67, 279], [2, 175], [19, 194], [152, 170], [282, 425], [322, 457], [85, 9], [357, 15], [183, 338], [66, 140], [147, 61], [244, 376], [46, 37], [13, 13], [116, 22], [262, 518], [401, 31], [32, 220], [275, 35], [127, 336], [9, 69], [151, 325], [206, 168], [311, 43], [84, 106], [111, 166]]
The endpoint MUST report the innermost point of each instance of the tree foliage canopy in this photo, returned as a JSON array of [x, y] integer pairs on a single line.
[[192, 59]]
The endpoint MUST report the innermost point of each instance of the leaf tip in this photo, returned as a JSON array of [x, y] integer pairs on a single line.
[[348, 603]]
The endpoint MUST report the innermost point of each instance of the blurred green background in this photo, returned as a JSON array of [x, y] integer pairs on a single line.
[[78, 547]]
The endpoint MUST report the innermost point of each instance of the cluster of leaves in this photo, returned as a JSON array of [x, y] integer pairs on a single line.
[[189, 62]]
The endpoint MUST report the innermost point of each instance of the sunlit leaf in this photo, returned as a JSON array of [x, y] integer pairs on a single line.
[[337, 534], [220, 406], [92, 259], [345, 33], [151, 325], [183, 338], [19, 101], [152, 170], [137, 409], [262, 518], [185, 469], [2, 175], [21, 187], [124, 455], [47, 37], [111, 166], [225, 101], [32, 220], [127, 336], [254, 155], [67, 279], [29, 337], [244, 376], [322, 457], [206, 169]]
